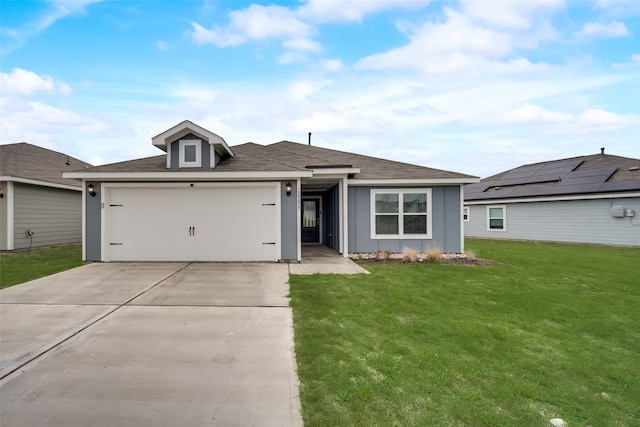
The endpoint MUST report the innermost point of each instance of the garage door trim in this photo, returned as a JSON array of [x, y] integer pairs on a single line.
[[107, 187]]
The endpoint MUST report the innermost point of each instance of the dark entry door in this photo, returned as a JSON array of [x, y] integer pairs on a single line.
[[310, 221]]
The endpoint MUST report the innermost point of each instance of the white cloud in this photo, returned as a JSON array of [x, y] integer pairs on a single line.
[[162, 45], [553, 122], [332, 64], [529, 113], [515, 15], [24, 82], [302, 44], [16, 37], [634, 61], [457, 45], [611, 29], [256, 22], [597, 120], [353, 10]]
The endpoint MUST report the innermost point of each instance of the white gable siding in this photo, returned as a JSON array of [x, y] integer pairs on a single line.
[[574, 221], [54, 215]]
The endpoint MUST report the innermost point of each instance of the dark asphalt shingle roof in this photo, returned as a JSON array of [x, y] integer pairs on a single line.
[[27, 161], [293, 156], [598, 173]]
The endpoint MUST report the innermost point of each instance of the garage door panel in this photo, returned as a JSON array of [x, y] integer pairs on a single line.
[[193, 224]]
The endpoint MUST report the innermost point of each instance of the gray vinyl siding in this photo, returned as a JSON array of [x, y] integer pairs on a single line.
[[445, 211], [4, 244], [573, 221], [54, 215]]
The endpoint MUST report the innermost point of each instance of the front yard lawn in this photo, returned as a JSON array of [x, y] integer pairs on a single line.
[[552, 331], [21, 267]]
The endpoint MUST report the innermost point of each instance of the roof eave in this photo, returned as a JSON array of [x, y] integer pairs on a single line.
[[421, 181], [188, 175]]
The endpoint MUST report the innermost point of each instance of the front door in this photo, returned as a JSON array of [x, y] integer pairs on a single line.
[[310, 221]]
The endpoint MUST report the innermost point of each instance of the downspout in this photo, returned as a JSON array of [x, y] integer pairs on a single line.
[[84, 220], [462, 218], [10, 212]]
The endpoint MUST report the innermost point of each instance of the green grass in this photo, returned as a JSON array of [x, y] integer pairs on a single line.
[[553, 331], [21, 267]]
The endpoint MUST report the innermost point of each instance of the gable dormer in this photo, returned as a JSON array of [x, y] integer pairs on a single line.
[[190, 146]]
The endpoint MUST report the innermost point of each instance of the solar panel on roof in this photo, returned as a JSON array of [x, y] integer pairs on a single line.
[[538, 173], [588, 177]]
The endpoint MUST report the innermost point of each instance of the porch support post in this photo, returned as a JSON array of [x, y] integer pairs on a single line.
[[299, 218], [344, 216]]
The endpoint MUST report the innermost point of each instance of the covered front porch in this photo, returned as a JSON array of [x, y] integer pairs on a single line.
[[323, 209]]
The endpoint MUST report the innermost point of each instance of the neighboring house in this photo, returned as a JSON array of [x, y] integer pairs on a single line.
[[206, 201], [38, 207], [588, 199]]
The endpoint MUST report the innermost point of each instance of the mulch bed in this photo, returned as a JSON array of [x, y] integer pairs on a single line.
[[457, 261]]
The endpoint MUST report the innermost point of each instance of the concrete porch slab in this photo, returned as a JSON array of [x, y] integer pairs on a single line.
[[320, 259]]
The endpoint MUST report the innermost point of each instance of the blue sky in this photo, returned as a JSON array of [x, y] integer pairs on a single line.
[[471, 86]]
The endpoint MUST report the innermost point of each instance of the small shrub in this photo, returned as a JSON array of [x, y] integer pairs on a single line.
[[378, 254], [434, 255], [409, 255], [387, 254], [469, 254]]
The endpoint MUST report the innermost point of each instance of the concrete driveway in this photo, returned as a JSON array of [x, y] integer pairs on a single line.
[[150, 344]]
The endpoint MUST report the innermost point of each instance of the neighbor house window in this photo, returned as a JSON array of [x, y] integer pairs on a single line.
[[465, 213], [190, 153], [496, 218], [401, 214]]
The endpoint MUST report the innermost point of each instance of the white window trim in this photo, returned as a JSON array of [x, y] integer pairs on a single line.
[[504, 218], [468, 209], [401, 235], [190, 142]]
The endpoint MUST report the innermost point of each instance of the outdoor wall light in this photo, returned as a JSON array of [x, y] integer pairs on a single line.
[[1, 193], [91, 190], [288, 187]]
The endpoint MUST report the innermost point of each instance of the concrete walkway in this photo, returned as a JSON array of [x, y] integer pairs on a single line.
[[320, 259], [150, 344]]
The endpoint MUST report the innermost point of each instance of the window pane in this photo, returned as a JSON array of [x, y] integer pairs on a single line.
[[189, 153], [495, 213], [386, 224], [496, 224], [415, 224], [414, 203], [387, 203]]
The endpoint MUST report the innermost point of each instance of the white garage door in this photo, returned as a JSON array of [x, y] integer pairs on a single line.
[[231, 222]]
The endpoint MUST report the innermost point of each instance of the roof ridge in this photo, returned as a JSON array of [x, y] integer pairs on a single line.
[[29, 145], [364, 156]]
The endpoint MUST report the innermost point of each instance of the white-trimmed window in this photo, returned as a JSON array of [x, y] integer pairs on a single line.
[[401, 213], [466, 213], [190, 153], [496, 218]]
